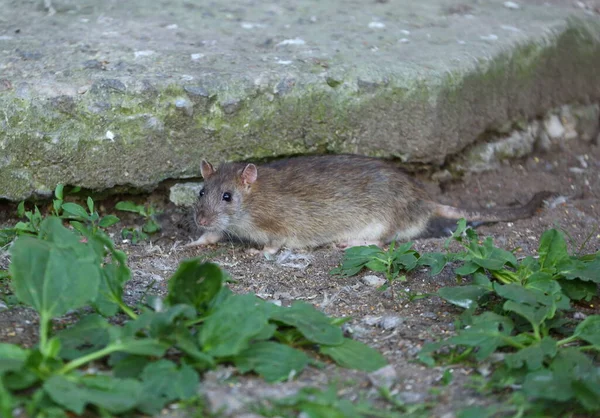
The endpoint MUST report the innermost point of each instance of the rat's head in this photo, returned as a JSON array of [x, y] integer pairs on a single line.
[[221, 199]]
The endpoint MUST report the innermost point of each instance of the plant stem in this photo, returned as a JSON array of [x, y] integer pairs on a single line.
[[44, 322], [127, 309], [512, 343], [78, 362], [195, 321], [536, 332], [461, 356], [566, 340], [588, 347]]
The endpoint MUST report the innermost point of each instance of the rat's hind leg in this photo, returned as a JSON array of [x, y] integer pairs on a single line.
[[373, 233]]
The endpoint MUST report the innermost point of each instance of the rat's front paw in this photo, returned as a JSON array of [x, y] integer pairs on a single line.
[[206, 239]]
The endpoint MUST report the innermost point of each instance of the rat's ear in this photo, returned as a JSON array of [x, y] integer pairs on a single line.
[[206, 169], [249, 174]]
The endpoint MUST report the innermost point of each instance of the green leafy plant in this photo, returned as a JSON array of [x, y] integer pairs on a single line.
[[518, 308], [30, 226], [390, 262], [150, 226], [201, 322], [524, 317], [78, 216]]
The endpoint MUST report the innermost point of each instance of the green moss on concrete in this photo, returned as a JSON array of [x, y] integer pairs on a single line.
[[422, 119]]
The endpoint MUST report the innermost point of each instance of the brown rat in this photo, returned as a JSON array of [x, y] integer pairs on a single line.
[[315, 200]]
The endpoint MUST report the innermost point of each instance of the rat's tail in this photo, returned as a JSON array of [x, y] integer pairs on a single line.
[[495, 214]]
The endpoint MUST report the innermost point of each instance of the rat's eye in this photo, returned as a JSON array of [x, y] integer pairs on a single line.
[[201, 193], [227, 197]]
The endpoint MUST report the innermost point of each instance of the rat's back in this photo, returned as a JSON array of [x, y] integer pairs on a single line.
[[310, 201]]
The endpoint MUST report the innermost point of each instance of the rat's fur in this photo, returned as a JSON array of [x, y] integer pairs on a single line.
[[312, 201]]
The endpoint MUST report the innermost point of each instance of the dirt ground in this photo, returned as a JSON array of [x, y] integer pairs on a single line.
[[398, 328]]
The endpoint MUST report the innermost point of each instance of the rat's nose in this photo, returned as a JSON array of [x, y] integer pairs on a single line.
[[203, 221]]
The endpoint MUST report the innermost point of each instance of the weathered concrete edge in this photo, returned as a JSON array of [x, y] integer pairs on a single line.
[[137, 135]]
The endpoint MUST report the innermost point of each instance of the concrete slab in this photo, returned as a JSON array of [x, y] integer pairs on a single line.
[[112, 93]]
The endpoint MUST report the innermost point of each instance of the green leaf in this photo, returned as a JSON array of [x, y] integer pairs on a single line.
[[587, 392], [90, 204], [229, 329], [493, 258], [151, 226], [54, 275], [7, 401], [58, 191], [572, 375], [517, 293], [163, 383], [266, 333], [355, 355], [86, 336], [481, 280], [57, 205], [128, 365], [195, 283], [21, 209], [355, 259], [468, 268], [463, 296], [186, 342], [163, 323], [533, 356], [75, 210], [25, 226], [488, 332], [129, 206], [110, 290], [489, 263], [310, 322], [534, 314], [552, 249], [74, 393], [12, 358], [461, 227], [436, 261], [27, 375], [275, 362], [589, 330], [425, 355], [577, 269], [107, 221], [144, 347], [547, 291], [114, 274], [408, 261], [377, 265], [7, 235]]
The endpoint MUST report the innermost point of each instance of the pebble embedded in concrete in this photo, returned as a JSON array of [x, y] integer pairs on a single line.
[[185, 194], [373, 281], [554, 127], [390, 322], [511, 5]]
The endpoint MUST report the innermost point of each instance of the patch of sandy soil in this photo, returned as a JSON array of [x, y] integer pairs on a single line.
[[398, 328]]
